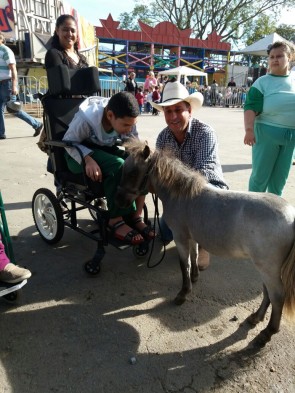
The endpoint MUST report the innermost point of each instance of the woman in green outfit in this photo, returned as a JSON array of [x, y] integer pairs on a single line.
[[269, 118]]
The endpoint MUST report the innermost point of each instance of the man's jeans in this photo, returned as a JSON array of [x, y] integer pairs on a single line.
[[5, 96]]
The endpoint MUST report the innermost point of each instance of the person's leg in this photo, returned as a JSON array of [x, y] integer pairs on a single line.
[[111, 167], [36, 124], [2, 124], [264, 155], [281, 170], [137, 222], [165, 232], [4, 260], [4, 97], [9, 272]]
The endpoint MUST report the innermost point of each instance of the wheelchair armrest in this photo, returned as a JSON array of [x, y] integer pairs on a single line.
[[62, 144]]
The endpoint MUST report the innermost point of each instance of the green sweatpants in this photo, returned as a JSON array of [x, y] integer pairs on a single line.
[[271, 158], [110, 163]]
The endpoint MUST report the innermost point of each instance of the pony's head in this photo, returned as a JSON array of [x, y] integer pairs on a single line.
[[135, 173]]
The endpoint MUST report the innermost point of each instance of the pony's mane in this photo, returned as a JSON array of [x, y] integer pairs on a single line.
[[178, 178]]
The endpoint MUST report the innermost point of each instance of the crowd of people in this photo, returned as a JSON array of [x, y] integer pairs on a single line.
[[230, 96]]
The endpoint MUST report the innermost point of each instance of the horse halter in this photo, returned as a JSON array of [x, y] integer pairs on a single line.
[[142, 187]]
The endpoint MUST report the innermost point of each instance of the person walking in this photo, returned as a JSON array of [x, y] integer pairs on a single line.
[[269, 120], [9, 91]]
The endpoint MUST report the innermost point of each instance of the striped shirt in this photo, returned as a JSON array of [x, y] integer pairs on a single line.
[[198, 151], [6, 58]]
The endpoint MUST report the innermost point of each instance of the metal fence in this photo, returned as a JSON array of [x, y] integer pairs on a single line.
[[29, 86], [225, 96]]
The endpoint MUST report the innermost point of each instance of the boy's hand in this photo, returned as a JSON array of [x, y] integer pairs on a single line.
[[92, 169]]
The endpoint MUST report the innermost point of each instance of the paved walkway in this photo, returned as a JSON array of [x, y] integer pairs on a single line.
[[71, 333]]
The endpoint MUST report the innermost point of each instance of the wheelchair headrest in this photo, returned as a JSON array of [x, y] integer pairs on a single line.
[[65, 81]]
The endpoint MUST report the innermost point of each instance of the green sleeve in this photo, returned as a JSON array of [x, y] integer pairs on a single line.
[[254, 100]]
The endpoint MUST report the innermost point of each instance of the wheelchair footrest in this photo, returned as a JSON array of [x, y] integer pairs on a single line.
[[119, 244], [6, 288]]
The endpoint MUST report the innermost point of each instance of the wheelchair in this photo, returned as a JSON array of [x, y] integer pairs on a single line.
[[8, 291], [77, 192]]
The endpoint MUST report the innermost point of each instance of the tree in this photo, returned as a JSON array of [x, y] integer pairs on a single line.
[[227, 17], [258, 28], [286, 31], [129, 21]]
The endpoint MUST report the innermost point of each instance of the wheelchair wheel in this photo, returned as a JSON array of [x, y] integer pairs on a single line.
[[48, 216], [97, 203], [11, 297], [140, 250]]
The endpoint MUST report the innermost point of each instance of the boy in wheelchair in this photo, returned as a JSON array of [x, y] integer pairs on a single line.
[[95, 129]]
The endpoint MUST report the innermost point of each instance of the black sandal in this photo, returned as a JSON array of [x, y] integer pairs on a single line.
[[145, 232], [128, 238]]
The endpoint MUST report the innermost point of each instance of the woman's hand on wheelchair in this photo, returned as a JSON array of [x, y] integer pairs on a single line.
[[92, 169]]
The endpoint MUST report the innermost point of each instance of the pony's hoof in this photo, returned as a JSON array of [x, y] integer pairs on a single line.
[[179, 300]]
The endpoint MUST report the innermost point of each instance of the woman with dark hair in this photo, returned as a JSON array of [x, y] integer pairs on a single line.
[[64, 50], [64, 45]]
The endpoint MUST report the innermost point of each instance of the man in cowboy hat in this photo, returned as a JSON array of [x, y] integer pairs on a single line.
[[192, 142]]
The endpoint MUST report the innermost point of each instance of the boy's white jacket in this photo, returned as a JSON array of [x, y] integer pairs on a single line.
[[91, 110], [86, 126]]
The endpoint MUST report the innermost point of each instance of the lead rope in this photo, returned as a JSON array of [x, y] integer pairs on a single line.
[[156, 219]]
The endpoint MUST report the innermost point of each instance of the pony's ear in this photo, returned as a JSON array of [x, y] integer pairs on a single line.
[[146, 152]]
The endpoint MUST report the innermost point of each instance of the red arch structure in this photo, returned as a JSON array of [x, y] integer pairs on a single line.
[[157, 48]]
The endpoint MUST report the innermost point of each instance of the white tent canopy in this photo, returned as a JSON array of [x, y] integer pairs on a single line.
[[183, 71], [259, 48]]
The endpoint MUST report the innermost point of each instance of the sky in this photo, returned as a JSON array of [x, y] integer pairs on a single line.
[[93, 10]]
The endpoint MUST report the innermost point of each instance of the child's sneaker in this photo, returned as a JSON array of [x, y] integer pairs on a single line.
[[12, 274]]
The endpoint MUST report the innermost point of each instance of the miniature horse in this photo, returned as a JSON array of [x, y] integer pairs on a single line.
[[259, 226]]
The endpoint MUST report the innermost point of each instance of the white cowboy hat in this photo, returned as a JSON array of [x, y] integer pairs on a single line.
[[175, 92]]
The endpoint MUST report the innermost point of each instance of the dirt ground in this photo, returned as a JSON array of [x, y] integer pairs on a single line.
[[120, 332]]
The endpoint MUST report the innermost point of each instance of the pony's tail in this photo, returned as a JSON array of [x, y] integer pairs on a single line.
[[288, 280]]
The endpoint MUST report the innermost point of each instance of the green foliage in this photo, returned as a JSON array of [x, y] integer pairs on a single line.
[[129, 21], [259, 28], [286, 31]]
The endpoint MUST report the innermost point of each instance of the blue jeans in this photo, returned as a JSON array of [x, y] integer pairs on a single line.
[[5, 96], [165, 232]]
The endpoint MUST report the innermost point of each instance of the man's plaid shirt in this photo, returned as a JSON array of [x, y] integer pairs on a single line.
[[198, 151]]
